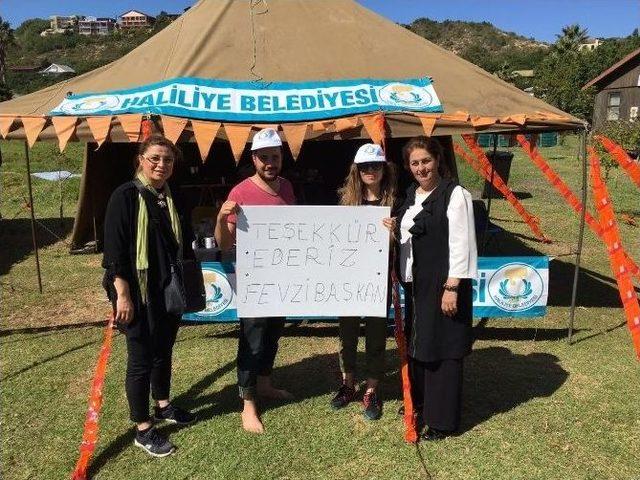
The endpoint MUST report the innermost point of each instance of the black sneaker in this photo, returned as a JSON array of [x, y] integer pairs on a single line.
[[434, 435], [372, 405], [153, 443], [173, 414], [343, 397]]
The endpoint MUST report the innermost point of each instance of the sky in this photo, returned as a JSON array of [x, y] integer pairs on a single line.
[[539, 19]]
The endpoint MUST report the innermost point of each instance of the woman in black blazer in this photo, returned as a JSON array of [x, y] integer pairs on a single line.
[[436, 260]]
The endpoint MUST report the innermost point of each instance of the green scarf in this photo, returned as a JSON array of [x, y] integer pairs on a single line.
[[142, 255]]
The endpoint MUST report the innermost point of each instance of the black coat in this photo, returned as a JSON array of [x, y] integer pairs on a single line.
[[431, 335], [119, 259]]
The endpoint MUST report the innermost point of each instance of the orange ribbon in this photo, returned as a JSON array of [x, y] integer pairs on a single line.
[[146, 129], [91, 427], [485, 169], [410, 433], [632, 168], [613, 242], [568, 195]]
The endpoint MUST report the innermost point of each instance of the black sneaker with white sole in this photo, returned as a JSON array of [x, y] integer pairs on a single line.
[[173, 414], [152, 442]]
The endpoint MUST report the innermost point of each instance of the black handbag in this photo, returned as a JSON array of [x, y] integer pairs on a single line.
[[185, 292], [175, 298], [195, 295]]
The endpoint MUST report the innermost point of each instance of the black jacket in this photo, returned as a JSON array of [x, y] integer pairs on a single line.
[[431, 335], [119, 258]]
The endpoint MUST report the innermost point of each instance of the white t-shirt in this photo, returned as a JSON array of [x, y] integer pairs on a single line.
[[463, 252]]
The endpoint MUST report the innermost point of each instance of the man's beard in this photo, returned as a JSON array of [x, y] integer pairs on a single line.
[[268, 179]]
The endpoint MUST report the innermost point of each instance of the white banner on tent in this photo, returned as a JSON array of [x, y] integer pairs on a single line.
[[312, 260]]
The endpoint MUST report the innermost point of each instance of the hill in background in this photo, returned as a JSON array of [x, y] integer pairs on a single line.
[[481, 43]]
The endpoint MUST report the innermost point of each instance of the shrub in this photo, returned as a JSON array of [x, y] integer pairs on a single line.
[[625, 134]]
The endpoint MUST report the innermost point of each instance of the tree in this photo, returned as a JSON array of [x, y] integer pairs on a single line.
[[6, 39], [570, 39]]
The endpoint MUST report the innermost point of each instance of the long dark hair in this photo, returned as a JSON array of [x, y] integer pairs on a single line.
[[433, 148]]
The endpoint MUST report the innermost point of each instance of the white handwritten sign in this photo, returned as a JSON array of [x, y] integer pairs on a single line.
[[312, 260]]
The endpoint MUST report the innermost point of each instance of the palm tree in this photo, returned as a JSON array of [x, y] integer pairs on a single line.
[[6, 39], [571, 38]]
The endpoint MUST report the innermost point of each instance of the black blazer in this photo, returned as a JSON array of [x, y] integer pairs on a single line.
[[431, 335], [119, 257]]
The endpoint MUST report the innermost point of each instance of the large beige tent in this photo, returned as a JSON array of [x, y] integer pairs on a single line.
[[275, 41], [264, 42], [302, 40]]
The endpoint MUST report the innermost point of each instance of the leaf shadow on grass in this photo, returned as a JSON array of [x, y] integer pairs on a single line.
[[309, 378], [217, 403], [16, 239], [48, 359], [38, 332], [496, 380]]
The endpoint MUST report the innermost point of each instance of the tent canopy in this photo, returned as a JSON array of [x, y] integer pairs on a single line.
[[305, 41]]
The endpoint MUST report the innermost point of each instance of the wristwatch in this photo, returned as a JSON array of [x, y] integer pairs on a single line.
[[450, 288]]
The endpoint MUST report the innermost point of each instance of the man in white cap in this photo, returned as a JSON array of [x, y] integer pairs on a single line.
[[258, 342]]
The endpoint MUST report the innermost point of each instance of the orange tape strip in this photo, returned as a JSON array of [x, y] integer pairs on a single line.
[[484, 169], [410, 432], [616, 253], [632, 168], [568, 195], [91, 427]]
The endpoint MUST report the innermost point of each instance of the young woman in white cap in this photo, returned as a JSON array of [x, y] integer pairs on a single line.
[[258, 342], [371, 181]]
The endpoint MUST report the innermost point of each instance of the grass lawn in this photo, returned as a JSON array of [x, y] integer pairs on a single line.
[[534, 407]]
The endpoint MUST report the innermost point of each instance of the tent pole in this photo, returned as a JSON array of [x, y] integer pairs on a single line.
[[60, 185], [576, 273], [486, 225], [34, 236]]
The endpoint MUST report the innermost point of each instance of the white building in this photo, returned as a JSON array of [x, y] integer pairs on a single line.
[[57, 69], [96, 26], [590, 44]]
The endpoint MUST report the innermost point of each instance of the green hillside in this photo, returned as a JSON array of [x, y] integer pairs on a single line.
[[482, 43], [80, 52]]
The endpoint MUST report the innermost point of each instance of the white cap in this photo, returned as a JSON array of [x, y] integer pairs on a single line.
[[267, 137], [369, 153]]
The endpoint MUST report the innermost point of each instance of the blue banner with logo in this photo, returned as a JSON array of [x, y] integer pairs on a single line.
[[505, 287], [511, 287], [220, 288], [222, 100]]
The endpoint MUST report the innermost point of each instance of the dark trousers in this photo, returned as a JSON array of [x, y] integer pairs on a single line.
[[436, 390], [149, 367], [375, 329], [257, 348]]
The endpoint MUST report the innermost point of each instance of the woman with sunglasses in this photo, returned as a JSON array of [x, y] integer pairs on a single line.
[[143, 239], [371, 181]]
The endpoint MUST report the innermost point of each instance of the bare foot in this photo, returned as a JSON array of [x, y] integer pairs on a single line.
[[250, 419]]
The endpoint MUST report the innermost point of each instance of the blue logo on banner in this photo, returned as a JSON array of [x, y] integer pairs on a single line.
[[511, 287]]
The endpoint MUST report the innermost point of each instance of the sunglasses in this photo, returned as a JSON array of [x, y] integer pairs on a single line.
[[370, 167]]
